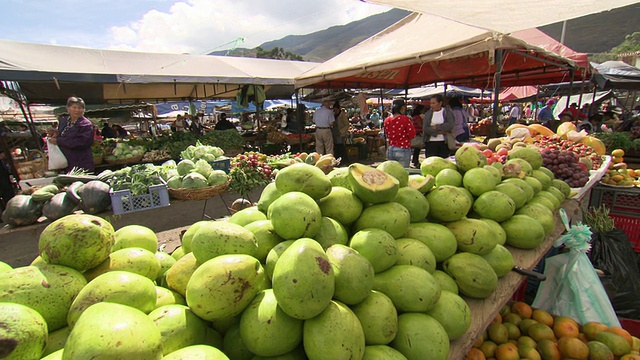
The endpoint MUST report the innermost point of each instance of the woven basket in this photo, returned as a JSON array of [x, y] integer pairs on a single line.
[[32, 168], [131, 160], [296, 140], [276, 137], [234, 151], [198, 194], [98, 160]]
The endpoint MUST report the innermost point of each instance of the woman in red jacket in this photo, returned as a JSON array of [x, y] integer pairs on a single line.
[[399, 131]]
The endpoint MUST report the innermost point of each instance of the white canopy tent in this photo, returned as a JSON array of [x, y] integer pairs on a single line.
[[49, 73], [423, 49], [506, 16]]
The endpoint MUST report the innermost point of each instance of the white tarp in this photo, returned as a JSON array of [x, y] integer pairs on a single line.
[[142, 67], [587, 98], [506, 16], [50, 73]]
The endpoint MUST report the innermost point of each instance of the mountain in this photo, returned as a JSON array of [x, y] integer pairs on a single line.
[[325, 44], [598, 32], [591, 34]]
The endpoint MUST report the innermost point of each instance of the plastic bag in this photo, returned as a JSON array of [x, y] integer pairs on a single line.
[[572, 287], [576, 136], [613, 254], [57, 160]]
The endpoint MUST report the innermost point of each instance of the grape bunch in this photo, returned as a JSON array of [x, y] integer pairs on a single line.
[[566, 166]]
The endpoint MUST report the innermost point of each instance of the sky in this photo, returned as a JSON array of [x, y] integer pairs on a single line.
[[187, 26]]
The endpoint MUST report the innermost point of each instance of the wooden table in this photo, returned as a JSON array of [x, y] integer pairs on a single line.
[[484, 311]]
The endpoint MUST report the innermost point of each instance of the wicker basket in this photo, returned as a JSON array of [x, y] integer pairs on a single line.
[[234, 151], [296, 140], [131, 160], [198, 194], [98, 160], [34, 168], [276, 137]]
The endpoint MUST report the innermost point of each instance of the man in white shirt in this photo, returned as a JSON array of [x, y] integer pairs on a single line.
[[514, 114], [324, 119]]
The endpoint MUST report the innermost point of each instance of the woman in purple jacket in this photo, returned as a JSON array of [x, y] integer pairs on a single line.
[[75, 136]]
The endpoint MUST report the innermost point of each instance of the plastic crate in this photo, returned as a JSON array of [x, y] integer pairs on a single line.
[[631, 226], [622, 201], [632, 326], [222, 164], [122, 202]]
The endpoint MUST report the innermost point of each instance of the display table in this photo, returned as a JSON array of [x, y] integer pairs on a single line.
[[19, 246], [485, 310]]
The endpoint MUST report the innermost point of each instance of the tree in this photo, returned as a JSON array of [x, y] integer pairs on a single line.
[[277, 53], [631, 43]]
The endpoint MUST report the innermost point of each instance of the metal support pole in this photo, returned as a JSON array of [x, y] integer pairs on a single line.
[[535, 110], [29, 121], [493, 131], [584, 79], [571, 72]]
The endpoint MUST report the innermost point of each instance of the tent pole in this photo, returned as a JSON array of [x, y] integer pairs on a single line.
[[535, 110], [595, 89], [32, 128], [493, 131], [29, 121], [445, 91], [571, 72], [299, 120], [584, 76], [633, 100]]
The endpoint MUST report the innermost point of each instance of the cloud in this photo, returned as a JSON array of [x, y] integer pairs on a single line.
[[202, 26]]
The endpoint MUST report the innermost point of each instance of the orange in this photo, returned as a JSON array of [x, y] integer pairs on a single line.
[[497, 319], [522, 309]]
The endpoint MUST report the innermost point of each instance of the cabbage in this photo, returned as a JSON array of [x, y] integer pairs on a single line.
[[169, 164], [203, 168], [209, 157], [199, 152], [185, 166], [175, 182], [188, 152], [218, 177], [194, 180], [216, 151]]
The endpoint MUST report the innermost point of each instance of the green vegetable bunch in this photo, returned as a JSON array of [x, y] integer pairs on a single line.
[[598, 219], [248, 173], [136, 178]]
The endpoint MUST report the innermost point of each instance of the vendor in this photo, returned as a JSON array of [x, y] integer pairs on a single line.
[[553, 124], [224, 124], [74, 136], [546, 113], [108, 132]]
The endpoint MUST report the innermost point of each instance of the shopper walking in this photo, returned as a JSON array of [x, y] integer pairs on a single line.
[[323, 119]]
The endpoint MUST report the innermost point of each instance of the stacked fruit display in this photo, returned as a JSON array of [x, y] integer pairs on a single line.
[[482, 127], [618, 174], [522, 332], [362, 263], [566, 166]]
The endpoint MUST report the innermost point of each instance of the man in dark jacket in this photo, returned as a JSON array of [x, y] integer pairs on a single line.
[[224, 124]]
